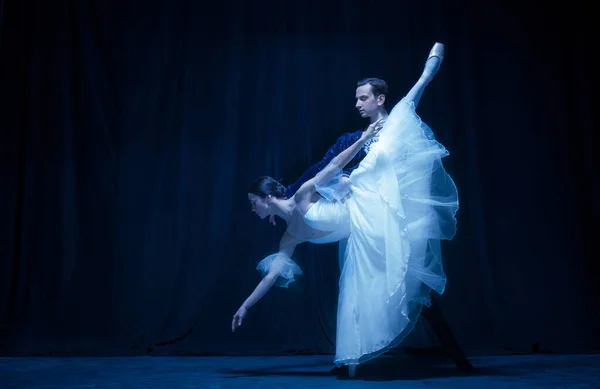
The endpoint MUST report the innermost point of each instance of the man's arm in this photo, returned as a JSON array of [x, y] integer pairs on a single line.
[[337, 164], [342, 143]]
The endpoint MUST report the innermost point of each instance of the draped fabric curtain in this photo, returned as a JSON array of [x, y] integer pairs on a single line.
[[132, 130]]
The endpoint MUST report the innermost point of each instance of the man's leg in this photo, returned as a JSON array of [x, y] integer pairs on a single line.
[[434, 316]]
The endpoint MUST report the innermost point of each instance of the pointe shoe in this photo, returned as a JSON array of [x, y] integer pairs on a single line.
[[431, 65], [437, 51], [351, 370]]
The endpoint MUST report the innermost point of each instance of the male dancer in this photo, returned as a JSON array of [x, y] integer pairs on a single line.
[[370, 100]]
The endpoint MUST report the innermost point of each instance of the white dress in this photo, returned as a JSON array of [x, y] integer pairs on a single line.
[[403, 204]]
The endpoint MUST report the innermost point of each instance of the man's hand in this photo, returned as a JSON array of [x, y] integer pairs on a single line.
[[238, 317], [272, 219]]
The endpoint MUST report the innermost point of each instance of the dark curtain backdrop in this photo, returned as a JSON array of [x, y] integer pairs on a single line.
[[131, 131]]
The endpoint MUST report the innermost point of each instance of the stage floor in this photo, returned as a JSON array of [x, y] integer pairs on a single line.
[[534, 371]]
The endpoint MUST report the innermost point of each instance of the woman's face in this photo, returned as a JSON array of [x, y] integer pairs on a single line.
[[260, 205]]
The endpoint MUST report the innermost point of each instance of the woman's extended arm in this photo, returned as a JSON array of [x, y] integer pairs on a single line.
[[339, 162], [287, 245]]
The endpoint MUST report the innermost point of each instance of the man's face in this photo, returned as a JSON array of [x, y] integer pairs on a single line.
[[366, 103]]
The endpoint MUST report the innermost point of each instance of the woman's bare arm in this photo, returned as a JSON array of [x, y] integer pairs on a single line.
[[287, 245], [337, 164]]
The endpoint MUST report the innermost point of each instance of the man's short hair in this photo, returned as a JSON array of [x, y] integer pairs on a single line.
[[378, 86]]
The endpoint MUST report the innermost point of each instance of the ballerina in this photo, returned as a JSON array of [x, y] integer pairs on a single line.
[[402, 204]]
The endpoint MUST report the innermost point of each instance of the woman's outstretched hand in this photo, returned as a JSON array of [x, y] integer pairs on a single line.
[[373, 129], [238, 317]]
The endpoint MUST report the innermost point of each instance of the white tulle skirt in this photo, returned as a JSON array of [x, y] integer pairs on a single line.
[[403, 203]]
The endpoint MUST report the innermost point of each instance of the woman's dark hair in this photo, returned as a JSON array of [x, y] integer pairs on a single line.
[[264, 186]]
